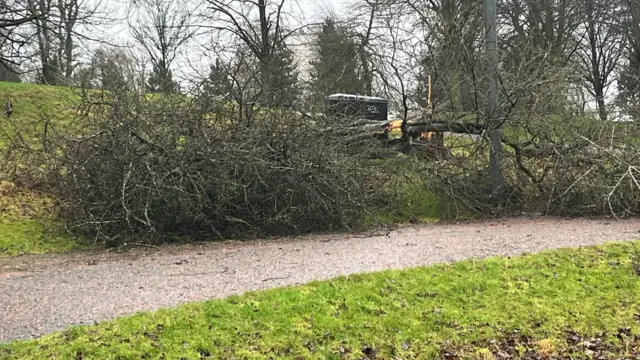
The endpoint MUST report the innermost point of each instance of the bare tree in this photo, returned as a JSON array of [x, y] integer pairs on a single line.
[[235, 18], [162, 28], [69, 11], [16, 18], [549, 25], [371, 8], [601, 48], [629, 73], [544, 31], [44, 32], [58, 35]]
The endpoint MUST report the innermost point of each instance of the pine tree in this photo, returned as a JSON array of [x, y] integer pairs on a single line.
[[279, 78], [218, 82], [159, 82], [335, 67], [8, 73]]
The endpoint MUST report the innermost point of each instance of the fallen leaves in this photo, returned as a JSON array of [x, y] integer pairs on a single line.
[[515, 345]]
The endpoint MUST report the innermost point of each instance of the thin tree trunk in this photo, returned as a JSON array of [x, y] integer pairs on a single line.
[[264, 31], [495, 131], [602, 107]]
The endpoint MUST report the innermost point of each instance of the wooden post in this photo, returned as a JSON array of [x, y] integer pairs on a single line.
[[8, 108]]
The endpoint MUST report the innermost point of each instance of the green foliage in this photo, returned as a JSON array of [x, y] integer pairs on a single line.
[[218, 83], [161, 80], [279, 78], [335, 66], [469, 307]]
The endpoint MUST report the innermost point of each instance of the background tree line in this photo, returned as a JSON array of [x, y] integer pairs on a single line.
[[593, 43]]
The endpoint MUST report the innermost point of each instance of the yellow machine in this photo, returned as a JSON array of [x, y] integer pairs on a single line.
[[395, 126]]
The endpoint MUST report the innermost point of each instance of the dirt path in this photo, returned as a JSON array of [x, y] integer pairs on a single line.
[[40, 294]]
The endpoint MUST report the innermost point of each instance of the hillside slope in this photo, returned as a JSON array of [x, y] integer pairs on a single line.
[[27, 223]]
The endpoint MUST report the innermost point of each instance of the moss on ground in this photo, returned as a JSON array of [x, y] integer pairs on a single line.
[[579, 303], [28, 225], [19, 237]]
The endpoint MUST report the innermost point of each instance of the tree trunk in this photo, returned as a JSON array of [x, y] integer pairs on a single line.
[[494, 122], [602, 110], [264, 31], [366, 72]]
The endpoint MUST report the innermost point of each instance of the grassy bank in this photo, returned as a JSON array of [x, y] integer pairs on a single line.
[[28, 224], [19, 237], [569, 303]]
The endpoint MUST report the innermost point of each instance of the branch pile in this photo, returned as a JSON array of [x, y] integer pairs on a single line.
[[163, 171]]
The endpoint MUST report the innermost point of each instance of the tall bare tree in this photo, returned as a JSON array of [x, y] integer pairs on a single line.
[[162, 28], [58, 35], [44, 31], [69, 12], [17, 17], [601, 47], [371, 8], [235, 18], [629, 71]]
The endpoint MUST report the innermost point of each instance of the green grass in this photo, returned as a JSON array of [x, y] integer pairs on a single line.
[[19, 237], [29, 100], [28, 224], [411, 201], [469, 307], [33, 105]]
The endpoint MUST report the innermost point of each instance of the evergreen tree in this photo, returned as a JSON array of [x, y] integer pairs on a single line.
[[335, 67], [218, 82], [108, 65], [279, 78], [161, 81], [8, 73], [110, 69]]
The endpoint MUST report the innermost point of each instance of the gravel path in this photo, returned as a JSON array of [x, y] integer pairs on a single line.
[[40, 294]]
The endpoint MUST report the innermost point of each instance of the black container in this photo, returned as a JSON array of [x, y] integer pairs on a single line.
[[357, 106]]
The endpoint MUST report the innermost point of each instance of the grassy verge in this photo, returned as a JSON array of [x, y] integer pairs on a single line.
[[19, 237], [27, 225], [569, 303]]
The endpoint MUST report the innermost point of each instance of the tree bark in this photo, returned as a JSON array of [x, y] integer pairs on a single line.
[[264, 32], [495, 131]]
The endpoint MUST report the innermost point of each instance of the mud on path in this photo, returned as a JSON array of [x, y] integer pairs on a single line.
[[41, 294]]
